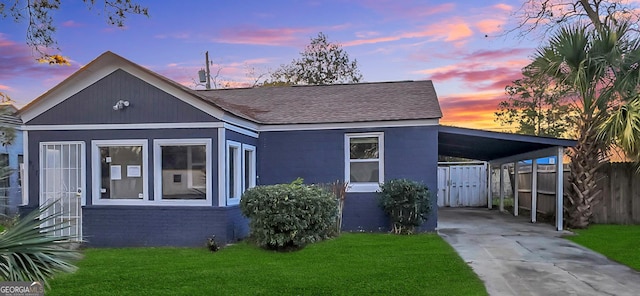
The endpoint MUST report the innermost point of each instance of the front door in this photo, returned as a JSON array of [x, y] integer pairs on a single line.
[[62, 182]]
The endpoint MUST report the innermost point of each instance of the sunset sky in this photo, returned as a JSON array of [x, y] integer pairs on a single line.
[[459, 45]]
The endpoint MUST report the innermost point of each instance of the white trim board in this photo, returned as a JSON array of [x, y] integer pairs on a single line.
[[241, 130], [347, 125], [124, 126], [232, 127]]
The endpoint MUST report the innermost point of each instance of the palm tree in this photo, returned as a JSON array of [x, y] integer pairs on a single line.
[[600, 67], [33, 249]]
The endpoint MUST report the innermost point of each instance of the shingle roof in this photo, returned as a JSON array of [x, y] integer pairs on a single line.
[[402, 100], [9, 118], [338, 103]]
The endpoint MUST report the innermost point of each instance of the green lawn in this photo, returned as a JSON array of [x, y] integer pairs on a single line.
[[353, 264], [618, 242]]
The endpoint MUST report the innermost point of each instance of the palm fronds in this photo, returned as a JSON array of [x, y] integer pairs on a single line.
[[32, 250]]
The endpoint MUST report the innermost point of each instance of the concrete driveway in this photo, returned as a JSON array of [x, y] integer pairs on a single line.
[[515, 257]]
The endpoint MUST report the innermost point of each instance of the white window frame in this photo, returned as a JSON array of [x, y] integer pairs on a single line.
[[363, 186], [252, 173], [95, 171], [233, 200], [157, 168]]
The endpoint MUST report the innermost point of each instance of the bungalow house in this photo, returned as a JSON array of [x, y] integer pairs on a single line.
[[135, 159]]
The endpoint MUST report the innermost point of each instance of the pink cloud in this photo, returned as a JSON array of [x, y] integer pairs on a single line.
[[489, 26], [499, 54], [22, 75], [71, 24], [173, 36], [484, 70], [474, 110], [16, 60], [503, 7], [450, 32], [260, 36], [407, 9], [366, 34]]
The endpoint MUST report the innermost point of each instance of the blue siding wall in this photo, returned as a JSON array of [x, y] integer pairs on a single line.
[[142, 225], [35, 137], [318, 157], [315, 156], [129, 226], [14, 192], [148, 104]]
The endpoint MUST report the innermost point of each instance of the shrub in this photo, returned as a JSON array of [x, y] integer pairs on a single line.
[[406, 202], [289, 216]]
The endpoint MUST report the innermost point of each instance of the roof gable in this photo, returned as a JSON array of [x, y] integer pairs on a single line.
[[146, 104], [103, 66]]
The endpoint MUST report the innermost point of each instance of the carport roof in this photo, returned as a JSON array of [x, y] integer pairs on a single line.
[[489, 146]]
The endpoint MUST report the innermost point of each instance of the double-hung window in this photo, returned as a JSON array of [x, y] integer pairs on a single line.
[[182, 171], [241, 170], [364, 161]]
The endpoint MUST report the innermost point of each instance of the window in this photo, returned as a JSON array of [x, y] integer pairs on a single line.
[[249, 167], [241, 170], [4, 181], [364, 161], [182, 167], [234, 173], [21, 173], [20, 169], [120, 171]]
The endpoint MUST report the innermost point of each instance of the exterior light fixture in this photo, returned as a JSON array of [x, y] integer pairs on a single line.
[[121, 104]]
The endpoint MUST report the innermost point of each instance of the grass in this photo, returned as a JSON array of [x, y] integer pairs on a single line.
[[618, 242], [353, 264]]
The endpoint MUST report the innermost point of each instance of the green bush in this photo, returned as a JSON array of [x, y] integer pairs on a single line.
[[406, 202], [289, 216]]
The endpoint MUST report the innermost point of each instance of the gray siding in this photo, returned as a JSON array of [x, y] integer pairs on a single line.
[[318, 157], [129, 226], [35, 137], [148, 104]]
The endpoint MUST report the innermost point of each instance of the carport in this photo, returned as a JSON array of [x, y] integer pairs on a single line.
[[500, 149]]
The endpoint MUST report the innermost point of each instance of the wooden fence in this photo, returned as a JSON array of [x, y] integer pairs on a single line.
[[546, 188], [617, 203]]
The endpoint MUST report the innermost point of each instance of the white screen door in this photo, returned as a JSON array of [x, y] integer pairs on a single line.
[[62, 183]]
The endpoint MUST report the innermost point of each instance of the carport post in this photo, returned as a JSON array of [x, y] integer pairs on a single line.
[[489, 193], [559, 187], [516, 168], [501, 187], [534, 190]]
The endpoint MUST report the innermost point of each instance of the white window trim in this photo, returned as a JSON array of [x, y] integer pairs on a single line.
[[25, 169], [252, 173], [238, 172], [157, 168], [363, 186], [95, 171]]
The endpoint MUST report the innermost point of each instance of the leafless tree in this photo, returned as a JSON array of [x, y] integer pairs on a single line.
[[545, 16]]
